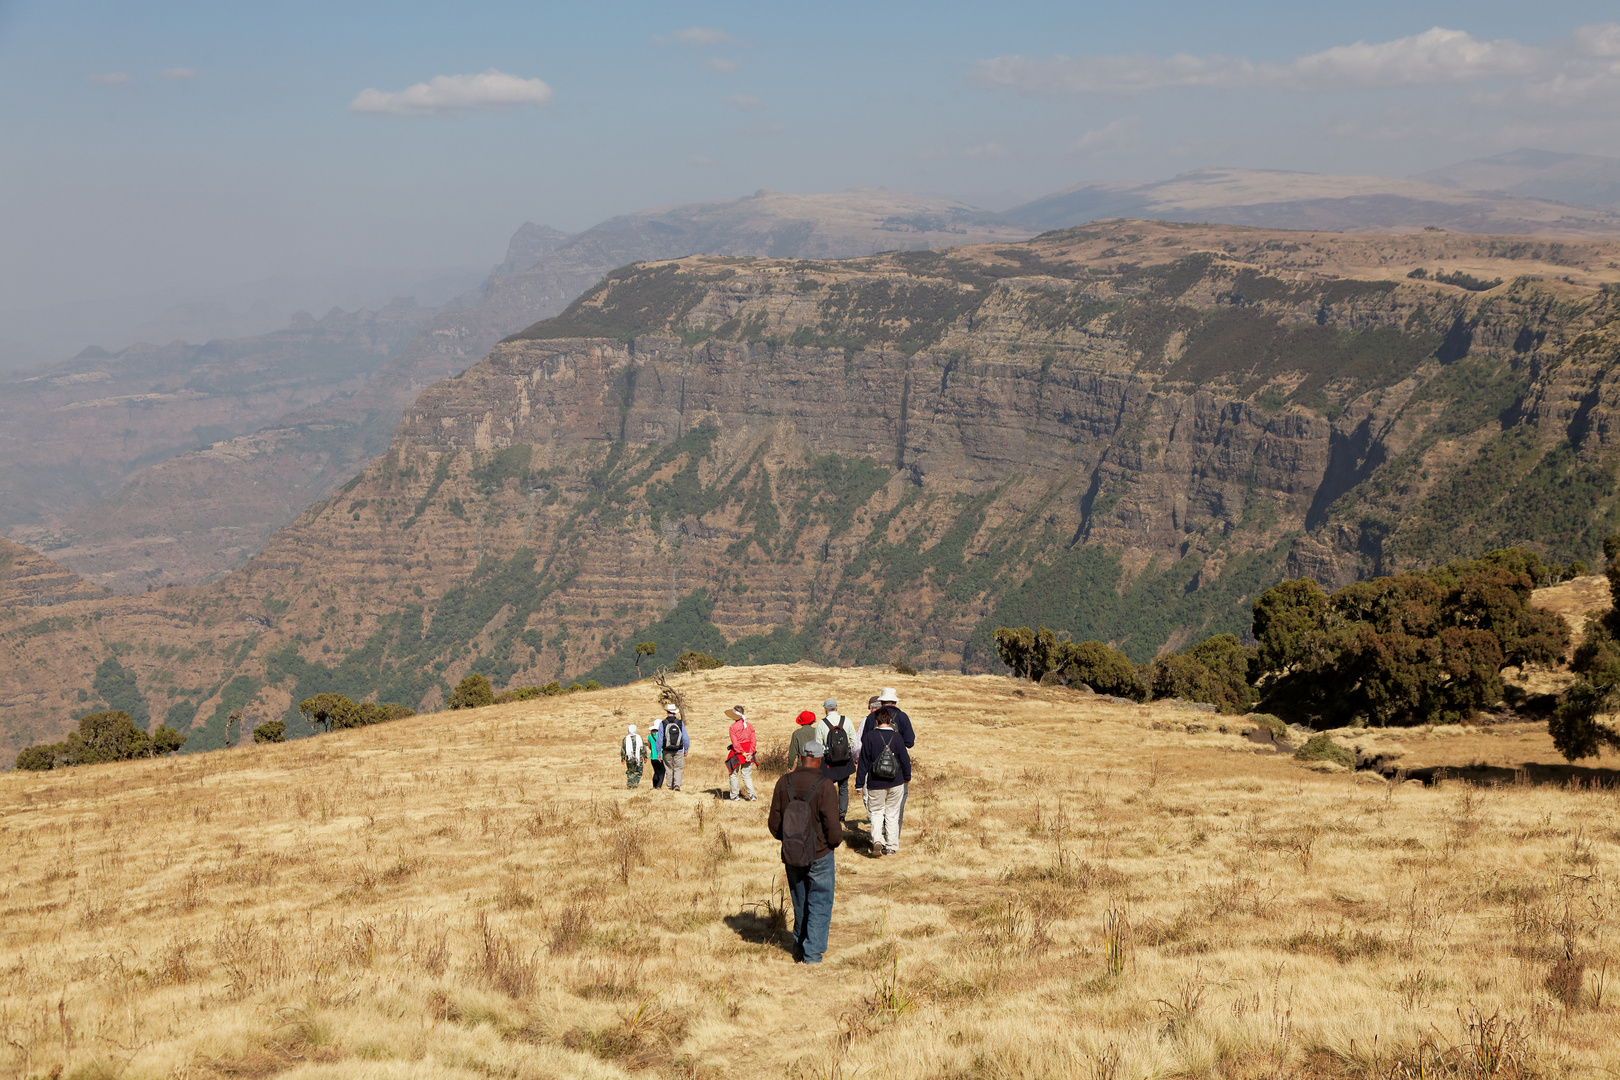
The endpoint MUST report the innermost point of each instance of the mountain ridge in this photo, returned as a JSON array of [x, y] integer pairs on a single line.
[[1124, 431]]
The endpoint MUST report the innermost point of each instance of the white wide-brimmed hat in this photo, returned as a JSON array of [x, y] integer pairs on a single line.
[[887, 695]]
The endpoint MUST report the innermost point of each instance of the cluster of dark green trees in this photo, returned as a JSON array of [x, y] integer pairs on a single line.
[[474, 692], [1217, 671], [101, 737], [334, 712], [1417, 648]]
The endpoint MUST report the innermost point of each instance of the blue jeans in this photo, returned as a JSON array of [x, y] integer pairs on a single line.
[[812, 890]]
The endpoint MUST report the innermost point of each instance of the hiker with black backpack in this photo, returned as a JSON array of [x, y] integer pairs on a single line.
[[887, 698], [673, 745], [633, 752], [804, 817], [834, 732], [882, 776]]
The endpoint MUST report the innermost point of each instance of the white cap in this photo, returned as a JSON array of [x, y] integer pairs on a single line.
[[887, 695], [671, 708], [632, 729]]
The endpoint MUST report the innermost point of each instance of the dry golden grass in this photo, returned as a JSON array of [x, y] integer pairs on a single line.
[[1077, 894]]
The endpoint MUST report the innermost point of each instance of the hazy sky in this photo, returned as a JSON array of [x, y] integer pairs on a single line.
[[170, 144]]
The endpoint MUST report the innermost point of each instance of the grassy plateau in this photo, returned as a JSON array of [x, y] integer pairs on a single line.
[[1083, 889]]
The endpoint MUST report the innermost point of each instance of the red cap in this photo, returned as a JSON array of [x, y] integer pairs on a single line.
[[806, 717]]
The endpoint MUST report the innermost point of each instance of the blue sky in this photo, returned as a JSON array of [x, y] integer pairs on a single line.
[[174, 145]]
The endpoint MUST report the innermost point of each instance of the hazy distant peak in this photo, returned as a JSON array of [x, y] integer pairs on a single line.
[[1582, 179], [844, 224], [1298, 200], [527, 245]]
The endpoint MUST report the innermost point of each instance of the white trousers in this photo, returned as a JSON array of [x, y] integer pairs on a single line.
[[883, 808], [747, 774]]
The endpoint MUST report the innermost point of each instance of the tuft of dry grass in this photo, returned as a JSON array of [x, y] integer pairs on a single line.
[[479, 895]]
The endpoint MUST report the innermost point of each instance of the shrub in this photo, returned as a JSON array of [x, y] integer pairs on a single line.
[[36, 758], [337, 712], [592, 684], [690, 661], [901, 668], [270, 731], [1231, 662], [552, 688], [1273, 724], [1177, 675], [472, 692], [1101, 667], [1323, 748], [518, 693]]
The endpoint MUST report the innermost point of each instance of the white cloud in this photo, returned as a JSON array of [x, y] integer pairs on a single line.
[[454, 93], [1436, 57], [745, 102], [1118, 137], [177, 73], [719, 66], [990, 151], [763, 131], [112, 78], [707, 36], [701, 161]]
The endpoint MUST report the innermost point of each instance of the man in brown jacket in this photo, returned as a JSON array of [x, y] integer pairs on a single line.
[[804, 816]]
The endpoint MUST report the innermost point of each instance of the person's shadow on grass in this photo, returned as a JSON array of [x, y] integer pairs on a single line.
[[767, 925]]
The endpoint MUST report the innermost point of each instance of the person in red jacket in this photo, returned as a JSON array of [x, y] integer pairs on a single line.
[[740, 758]]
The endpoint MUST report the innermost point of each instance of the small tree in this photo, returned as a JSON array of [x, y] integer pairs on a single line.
[[691, 660], [648, 650], [270, 731], [326, 710], [1029, 653], [1101, 667], [473, 692], [233, 728]]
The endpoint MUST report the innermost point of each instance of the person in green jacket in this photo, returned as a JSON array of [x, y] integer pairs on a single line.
[[633, 752]]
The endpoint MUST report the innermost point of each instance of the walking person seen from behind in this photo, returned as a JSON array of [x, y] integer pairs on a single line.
[[654, 736], [804, 816], [837, 734], [673, 745], [740, 756], [803, 733], [633, 752], [902, 723], [884, 772]]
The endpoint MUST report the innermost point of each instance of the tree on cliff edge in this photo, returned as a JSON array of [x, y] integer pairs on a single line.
[[1585, 721]]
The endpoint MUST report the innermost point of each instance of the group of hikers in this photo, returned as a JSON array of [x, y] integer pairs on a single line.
[[810, 804]]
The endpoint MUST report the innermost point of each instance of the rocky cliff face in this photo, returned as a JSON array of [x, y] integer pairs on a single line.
[[116, 485], [28, 579], [1125, 433]]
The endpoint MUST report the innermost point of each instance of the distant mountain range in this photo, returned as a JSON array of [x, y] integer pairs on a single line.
[[1538, 174], [154, 465], [176, 463], [1292, 200]]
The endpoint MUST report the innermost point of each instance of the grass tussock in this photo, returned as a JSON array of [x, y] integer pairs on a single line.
[[444, 898]]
